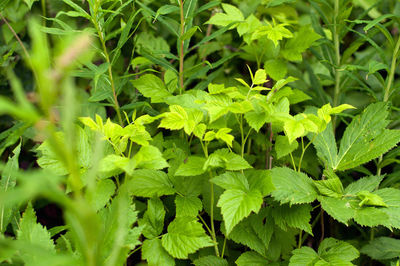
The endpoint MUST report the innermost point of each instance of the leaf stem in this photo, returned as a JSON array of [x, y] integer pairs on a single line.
[[110, 75], [181, 52], [336, 36], [392, 71]]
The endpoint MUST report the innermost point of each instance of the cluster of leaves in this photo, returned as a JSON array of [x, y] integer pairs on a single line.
[[199, 132]]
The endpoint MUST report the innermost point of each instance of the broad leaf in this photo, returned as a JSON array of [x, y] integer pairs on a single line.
[[150, 183], [251, 258], [237, 204], [155, 254], [185, 236], [153, 218], [292, 187], [192, 166], [187, 206], [382, 248], [297, 216], [152, 87], [210, 260]]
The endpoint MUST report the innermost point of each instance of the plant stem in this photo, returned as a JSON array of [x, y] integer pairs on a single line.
[[337, 63], [300, 239], [223, 248], [214, 237], [392, 71], [110, 75], [388, 88], [181, 55]]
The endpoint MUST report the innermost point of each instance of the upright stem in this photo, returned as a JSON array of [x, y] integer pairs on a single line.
[[181, 55], [110, 75], [388, 88], [337, 63]]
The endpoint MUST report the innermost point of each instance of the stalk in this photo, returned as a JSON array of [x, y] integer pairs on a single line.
[[181, 55], [110, 75], [337, 63], [388, 88]]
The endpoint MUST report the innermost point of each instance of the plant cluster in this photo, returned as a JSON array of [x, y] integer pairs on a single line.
[[181, 132]]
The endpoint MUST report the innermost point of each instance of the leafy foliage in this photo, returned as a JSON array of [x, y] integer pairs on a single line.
[[199, 132]]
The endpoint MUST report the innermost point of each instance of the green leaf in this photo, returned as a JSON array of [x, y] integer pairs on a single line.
[[210, 261], [112, 165], [185, 236], [297, 216], [365, 138], [325, 144], [187, 206], [283, 147], [251, 258], [153, 218], [155, 254], [292, 187], [332, 250], [175, 119], [232, 14], [231, 180], [29, 3], [244, 233], [8, 182], [34, 233], [260, 77], [303, 256], [369, 183], [105, 189], [370, 199], [382, 248], [256, 119], [273, 32], [151, 87], [391, 197], [226, 159], [331, 187], [150, 157], [370, 216], [293, 129], [276, 68], [237, 204], [260, 180], [339, 209], [150, 183], [192, 166], [222, 134], [301, 41]]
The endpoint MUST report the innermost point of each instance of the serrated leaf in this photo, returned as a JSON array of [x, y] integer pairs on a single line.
[[273, 32], [331, 187], [365, 138], [103, 193], [175, 119], [293, 129], [199, 130], [325, 144], [231, 180], [34, 233], [150, 183], [192, 166], [260, 180], [369, 183], [370, 216], [237, 204], [370, 199], [339, 209], [210, 261], [276, 68], [155, 254], [185, 236], [391, 197], [256, 119], [303, 256], [150, 157], [251, 258], [283, 147], [244, 233], [292, 187], [153, 218], [297, 216], [187, 206], [8, 182], [300, 42], [382, 248], [151, 87], [332, 249], [226, 159], [232, 14], [260, 77], [223, 134]]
